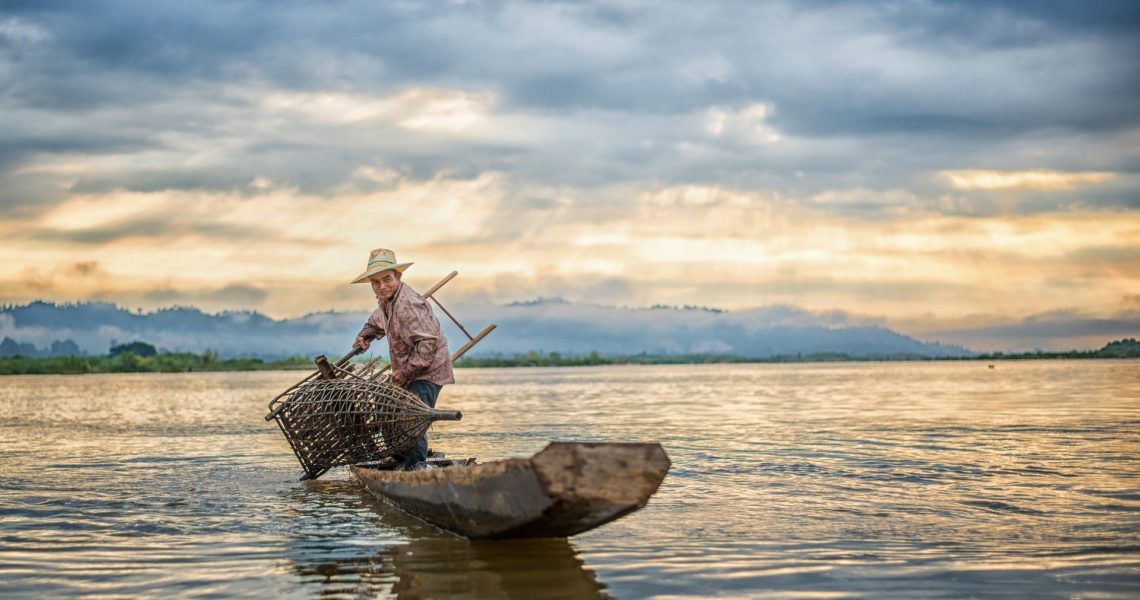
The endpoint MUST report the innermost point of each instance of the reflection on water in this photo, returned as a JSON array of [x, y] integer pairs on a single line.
[[452, 567], [418, 560], [458, 568], [899, 479]]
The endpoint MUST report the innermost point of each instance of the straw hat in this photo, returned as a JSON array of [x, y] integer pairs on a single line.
[[381, 259]]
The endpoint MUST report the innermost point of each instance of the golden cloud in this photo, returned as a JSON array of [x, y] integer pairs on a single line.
[[706, 245], [421, 108], [1039, 179]]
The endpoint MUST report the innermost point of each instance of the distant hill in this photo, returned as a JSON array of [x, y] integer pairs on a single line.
[[94, 327], [1126, 348], [541, 325]]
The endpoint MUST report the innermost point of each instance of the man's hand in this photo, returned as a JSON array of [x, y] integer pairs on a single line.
[[361, 343], [397, 380]]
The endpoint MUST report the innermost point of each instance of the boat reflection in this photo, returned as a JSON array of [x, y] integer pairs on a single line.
[[458, 568], [334, 554]]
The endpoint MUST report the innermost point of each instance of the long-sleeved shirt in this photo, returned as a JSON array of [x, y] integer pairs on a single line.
[[416, 345]]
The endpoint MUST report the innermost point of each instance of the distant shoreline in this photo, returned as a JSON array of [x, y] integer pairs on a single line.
[[181, 362], [184, 362], [1121, 349]]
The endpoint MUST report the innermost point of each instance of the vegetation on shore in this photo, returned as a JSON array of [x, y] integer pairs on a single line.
[[555, 359], [139, 357], [1126, 348]]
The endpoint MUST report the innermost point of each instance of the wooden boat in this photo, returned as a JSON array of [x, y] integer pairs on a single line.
[[563, 490]]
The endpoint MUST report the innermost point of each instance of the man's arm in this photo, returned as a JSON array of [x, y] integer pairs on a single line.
[[373, 330]]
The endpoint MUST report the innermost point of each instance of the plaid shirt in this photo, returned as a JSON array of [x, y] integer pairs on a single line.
[[416, 345]]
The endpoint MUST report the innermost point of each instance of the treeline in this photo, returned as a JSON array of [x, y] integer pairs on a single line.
[[1125, 348], [555, 359], [10, 347], [130, 362], [139, 357], [534, 359]]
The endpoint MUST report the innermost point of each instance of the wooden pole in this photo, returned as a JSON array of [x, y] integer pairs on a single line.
[[453, 319], [475, 340]]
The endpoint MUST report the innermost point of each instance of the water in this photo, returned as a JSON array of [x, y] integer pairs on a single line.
[[821, 480]]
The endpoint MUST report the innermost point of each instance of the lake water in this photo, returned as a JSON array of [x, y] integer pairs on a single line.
[[816, 480]]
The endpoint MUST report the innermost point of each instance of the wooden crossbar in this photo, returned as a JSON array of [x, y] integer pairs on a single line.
[[453, 319]]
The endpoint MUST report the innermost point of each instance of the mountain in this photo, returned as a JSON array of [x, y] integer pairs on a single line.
[[549, 325], [96, 326]]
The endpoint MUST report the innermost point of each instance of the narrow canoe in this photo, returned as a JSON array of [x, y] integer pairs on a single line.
[[563, 490]]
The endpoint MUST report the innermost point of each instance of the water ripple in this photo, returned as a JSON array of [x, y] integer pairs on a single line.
[[830, 480]]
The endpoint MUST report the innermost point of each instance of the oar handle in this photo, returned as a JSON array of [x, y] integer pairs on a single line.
[[445, 415], [347, 357]]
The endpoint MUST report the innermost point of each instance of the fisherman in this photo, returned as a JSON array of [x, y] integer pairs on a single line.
[[421, 363]]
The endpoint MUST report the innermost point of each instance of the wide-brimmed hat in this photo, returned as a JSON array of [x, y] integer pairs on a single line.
[[381, 259]]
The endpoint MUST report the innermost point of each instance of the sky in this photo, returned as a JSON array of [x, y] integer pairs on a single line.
[[959, 171]]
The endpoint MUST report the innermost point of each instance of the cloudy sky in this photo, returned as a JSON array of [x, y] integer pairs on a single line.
[[941, 167]]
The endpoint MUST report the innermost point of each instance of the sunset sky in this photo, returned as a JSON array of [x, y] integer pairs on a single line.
[[937, 166]]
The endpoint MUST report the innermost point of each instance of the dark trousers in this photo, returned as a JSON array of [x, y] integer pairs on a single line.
[[428, 392]]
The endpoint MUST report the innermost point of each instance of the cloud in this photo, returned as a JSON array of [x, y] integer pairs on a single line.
[[233, 294], [680, 100], [1059, 330], [877, 157], [1038, 180], [703, 245], [89, 267]]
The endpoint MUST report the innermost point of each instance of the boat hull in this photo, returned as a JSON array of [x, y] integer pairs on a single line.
[[565, 489]]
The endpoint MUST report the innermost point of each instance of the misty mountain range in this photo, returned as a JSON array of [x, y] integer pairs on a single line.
[[547, 325]]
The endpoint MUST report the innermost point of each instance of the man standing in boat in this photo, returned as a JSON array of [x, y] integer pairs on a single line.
[[416, 345]]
